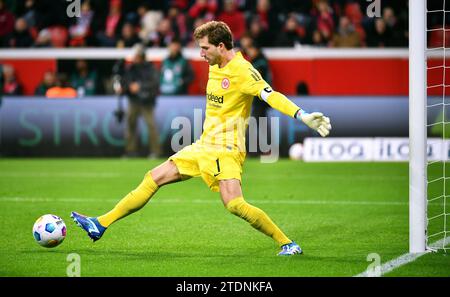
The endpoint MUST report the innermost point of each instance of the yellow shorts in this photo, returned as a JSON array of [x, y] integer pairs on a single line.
[[212, 165]]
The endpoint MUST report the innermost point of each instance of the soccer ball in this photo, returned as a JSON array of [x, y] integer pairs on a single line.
[[296, 151], [49, 230]]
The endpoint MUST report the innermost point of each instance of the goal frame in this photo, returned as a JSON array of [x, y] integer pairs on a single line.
[[417, 127]]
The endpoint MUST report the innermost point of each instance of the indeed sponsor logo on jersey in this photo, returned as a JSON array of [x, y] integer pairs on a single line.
[[213, 98]]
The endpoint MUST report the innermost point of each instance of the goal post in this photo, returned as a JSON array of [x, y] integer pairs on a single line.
[[417, 126]]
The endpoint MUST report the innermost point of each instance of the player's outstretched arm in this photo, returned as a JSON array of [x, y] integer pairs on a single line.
[[315, 120]]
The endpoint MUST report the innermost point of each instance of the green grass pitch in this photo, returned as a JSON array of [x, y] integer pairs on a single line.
[[338, 212]]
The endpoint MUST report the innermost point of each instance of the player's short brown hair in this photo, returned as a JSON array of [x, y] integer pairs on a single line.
[[217, 32]]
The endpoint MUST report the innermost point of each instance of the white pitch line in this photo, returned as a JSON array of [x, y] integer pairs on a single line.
[[332, 176], [303, 176], [61, 174], [404, 259], [205, 201]]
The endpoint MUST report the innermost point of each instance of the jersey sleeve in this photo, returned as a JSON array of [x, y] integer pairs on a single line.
[[251, 82]]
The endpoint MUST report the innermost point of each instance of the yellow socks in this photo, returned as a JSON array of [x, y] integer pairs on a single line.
[[257, 218], [132, 202], [137, 198]]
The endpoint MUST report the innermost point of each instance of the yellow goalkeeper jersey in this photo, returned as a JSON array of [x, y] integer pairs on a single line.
[[229, 95]]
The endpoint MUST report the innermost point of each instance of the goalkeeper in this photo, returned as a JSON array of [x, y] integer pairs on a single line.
[[219, 154]]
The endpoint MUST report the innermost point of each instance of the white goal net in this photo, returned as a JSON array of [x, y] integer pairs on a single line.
[[437, 206]]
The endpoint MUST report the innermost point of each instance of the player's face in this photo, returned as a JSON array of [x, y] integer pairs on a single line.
[[209, 52]]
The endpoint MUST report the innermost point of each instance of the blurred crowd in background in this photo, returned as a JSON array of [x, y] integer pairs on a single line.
[[281, 23], [256, 24], [81, 77]]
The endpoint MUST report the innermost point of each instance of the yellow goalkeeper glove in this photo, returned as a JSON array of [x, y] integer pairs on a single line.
[[316, 121]]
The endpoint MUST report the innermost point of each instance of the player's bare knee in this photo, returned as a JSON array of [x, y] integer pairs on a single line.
[[229, 190], [165, 173]]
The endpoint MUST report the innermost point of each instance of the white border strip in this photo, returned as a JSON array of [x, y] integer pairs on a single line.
[[404, 259]]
